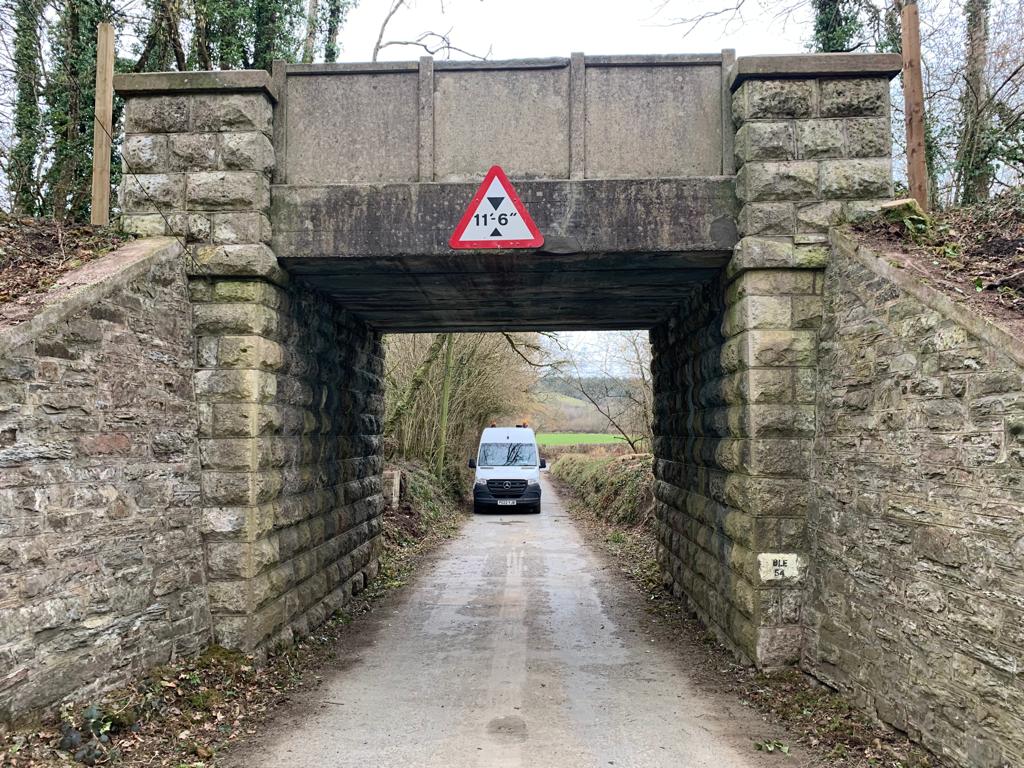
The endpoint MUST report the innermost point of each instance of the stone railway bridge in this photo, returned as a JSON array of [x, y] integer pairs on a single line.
[[690, 195]]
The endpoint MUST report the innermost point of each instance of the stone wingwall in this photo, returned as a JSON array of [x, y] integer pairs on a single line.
[[101, 563], [916, 595]]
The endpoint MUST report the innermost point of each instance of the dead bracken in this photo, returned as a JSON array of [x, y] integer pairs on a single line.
[[35, 252], [974, 254]]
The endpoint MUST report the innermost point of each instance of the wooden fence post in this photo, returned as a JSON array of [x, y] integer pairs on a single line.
[[913, 101], [103, 124]]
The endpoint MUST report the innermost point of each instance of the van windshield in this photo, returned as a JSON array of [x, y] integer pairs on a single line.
[[507, 455]]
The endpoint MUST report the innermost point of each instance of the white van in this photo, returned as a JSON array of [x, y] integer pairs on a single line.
[[507, 468]]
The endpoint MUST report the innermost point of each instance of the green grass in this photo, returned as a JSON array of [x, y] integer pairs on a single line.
[[576, 438]]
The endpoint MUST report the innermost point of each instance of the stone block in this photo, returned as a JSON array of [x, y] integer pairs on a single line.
[[778, 646], [227, 454], [232, 112], [767, 219], [246, 260], [198, 227], [236, 319], [773, 99], [761, 253], [854, 97], [770, 282], [765, 182], [765, 141], [228, 191], [238, 386], [144, 225], [856, 179], [249, 352], [758, 312], [249, 151], [868, 137], [193, 151], [145, 153], [766, 385], [820, 139], [818, 217], [769, 348], [151, 192], [236, 228], [156, 114]]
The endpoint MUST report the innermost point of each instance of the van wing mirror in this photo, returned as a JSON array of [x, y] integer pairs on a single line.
[[543, 464], [472, 463]]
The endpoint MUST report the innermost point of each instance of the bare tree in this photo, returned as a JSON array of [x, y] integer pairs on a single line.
[[619, 387], [431, 42]]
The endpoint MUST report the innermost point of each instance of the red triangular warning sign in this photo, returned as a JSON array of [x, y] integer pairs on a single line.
[[496, 218]]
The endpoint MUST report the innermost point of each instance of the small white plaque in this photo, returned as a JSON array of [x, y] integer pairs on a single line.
[[780, 566]]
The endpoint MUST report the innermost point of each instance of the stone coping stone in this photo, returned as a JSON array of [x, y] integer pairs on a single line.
[[78, 289], [171, 83], [812, 65], [978, 325]]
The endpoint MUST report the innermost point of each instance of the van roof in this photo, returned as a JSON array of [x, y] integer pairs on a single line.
[[507, 434]]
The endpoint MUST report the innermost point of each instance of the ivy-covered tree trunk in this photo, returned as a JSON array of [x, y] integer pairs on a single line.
[[311, 26], [837, 25], [973, 162], [337, 10], [28, 120]]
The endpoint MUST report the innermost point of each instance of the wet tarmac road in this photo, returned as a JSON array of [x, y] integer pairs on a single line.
[[516, 645]]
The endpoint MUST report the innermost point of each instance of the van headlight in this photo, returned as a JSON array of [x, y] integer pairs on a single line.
[[480, 484], [533, 483]]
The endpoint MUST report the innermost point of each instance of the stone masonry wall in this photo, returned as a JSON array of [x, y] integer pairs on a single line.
[[289, 387], [291, 410], [735, 384], [916, 595], [101, 564], [731, 444]]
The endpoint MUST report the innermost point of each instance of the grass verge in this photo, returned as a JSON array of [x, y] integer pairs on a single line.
[[577, 438], [186, 713], [612, 500]]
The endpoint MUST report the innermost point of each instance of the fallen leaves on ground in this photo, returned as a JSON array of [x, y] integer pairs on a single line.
[[974, 253], [34, 253]]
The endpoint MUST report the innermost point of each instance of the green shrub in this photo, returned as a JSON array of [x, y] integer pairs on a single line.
[[619, 489]]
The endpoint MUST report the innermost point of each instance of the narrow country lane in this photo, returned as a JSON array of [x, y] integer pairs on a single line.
[[517, 645]]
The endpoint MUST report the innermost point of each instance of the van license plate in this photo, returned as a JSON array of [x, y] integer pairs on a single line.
[[506, 502]]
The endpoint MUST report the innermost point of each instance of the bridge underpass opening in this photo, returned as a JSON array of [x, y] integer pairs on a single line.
[[691, 195]]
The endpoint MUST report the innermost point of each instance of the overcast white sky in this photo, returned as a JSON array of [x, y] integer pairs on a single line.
[[510, 29], [531, 28]]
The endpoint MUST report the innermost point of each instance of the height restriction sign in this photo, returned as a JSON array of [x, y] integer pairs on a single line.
[[496, 218]]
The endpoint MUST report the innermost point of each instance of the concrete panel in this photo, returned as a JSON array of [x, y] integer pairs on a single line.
[[347, 128], [653, 121], [613, 216], [518, 119]]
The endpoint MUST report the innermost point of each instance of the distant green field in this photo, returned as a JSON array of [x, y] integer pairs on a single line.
[[576, 438]]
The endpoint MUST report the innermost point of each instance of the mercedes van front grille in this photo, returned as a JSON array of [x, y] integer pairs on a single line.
[[506, 489]]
